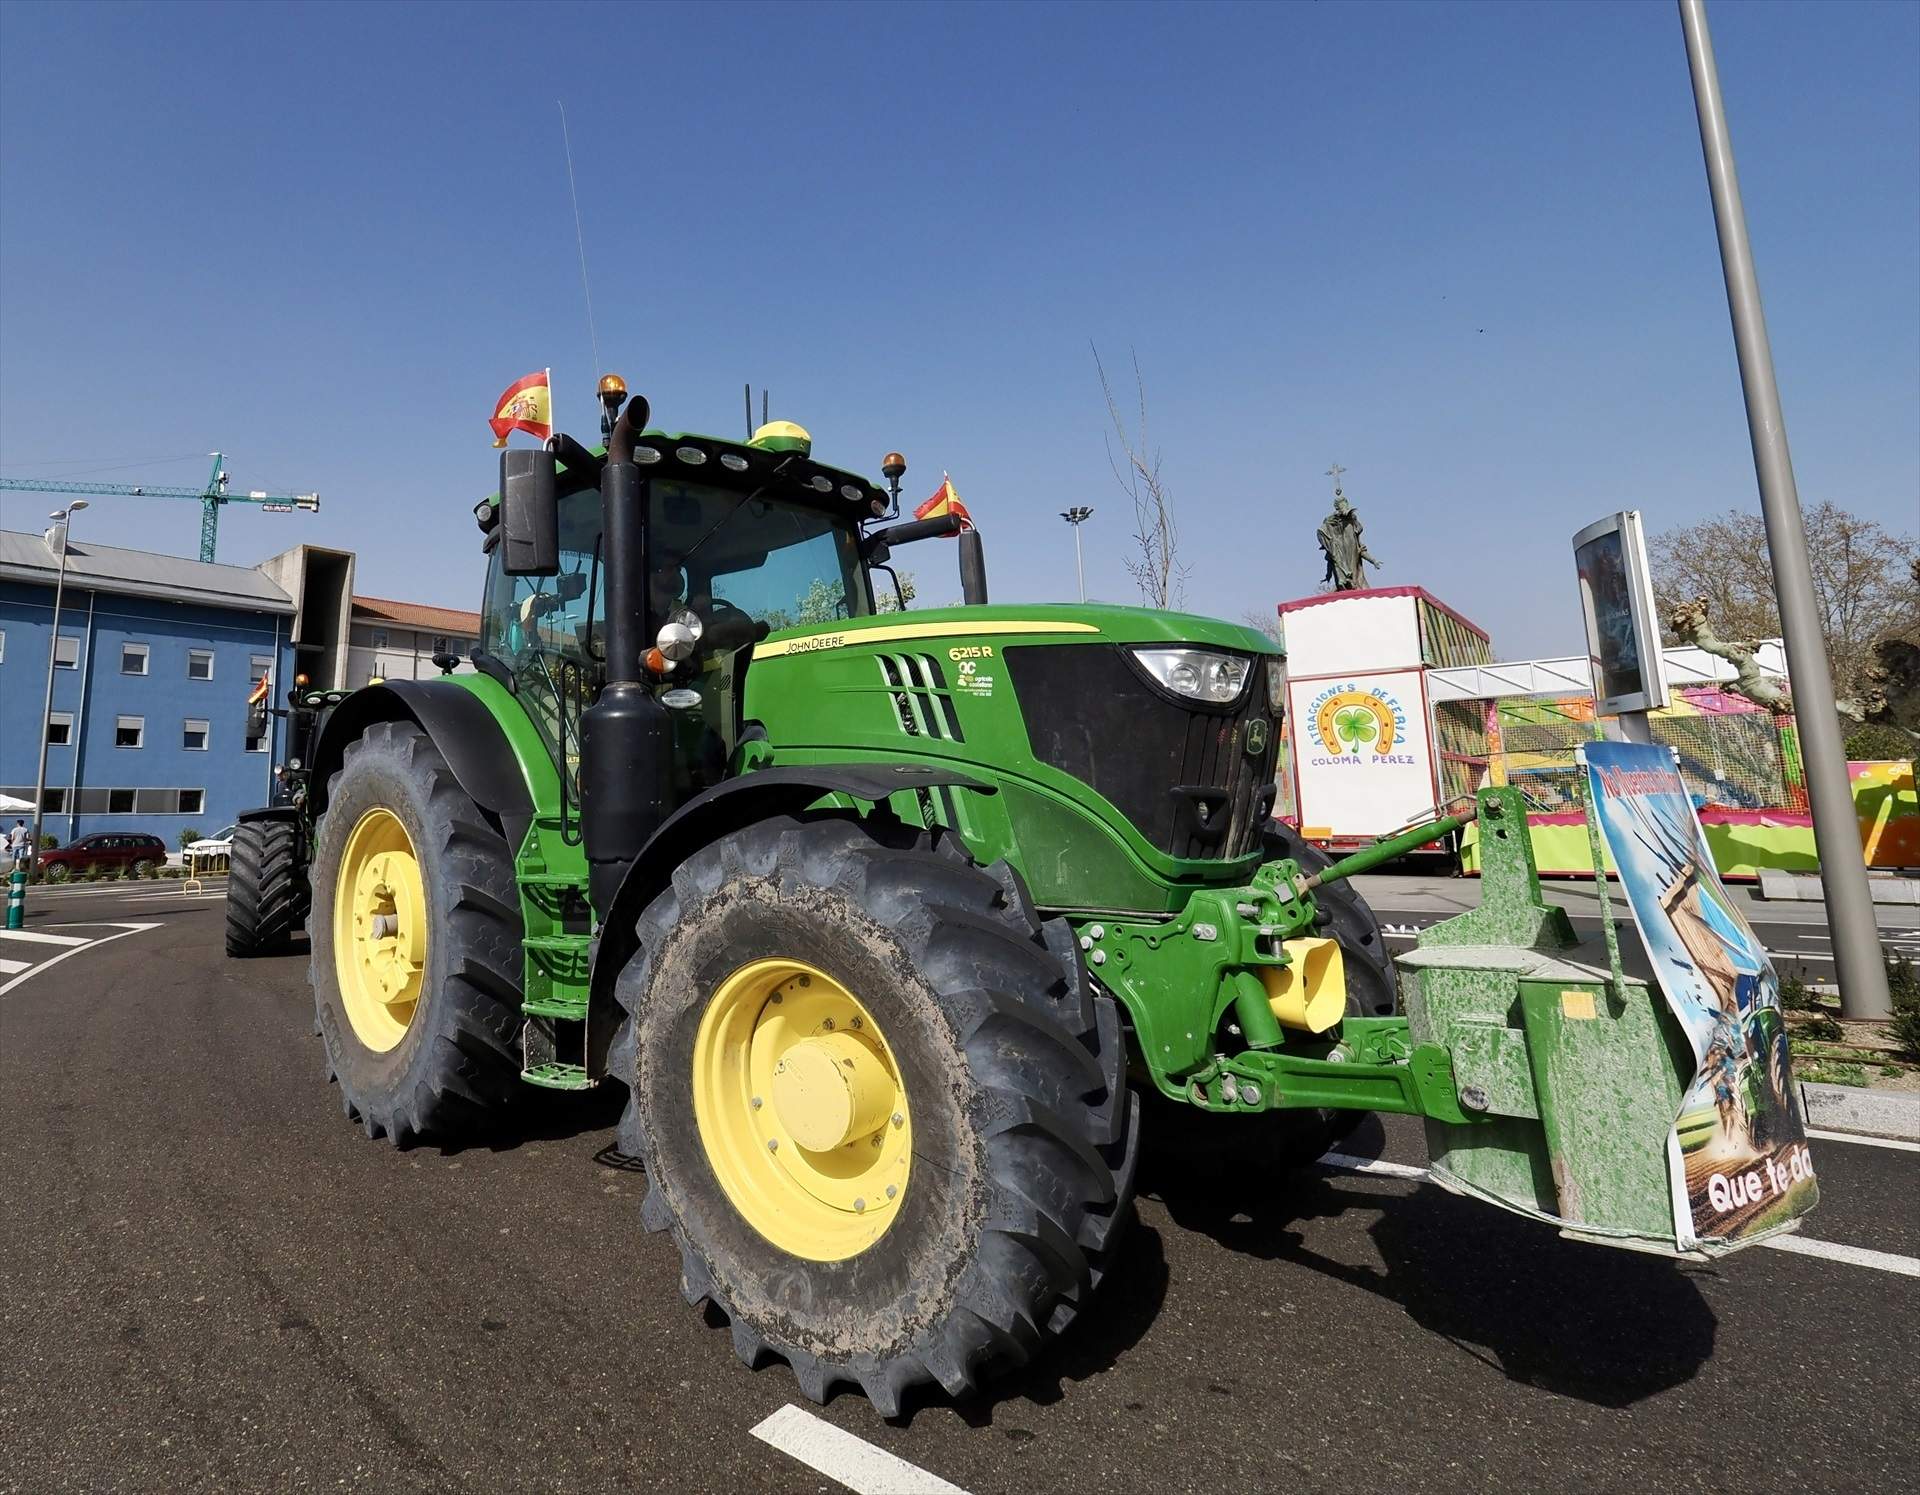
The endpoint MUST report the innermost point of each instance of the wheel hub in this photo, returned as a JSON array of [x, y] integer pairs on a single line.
[[801, 1109], [379, 929]]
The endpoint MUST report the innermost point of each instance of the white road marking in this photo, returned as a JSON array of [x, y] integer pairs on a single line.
[[1800, 955], [842, 1457], [33, 937], [1856, 1256], [1895, 1143], [8, 967], [78, 947]]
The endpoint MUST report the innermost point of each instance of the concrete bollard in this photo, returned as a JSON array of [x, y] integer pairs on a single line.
[[17, 898]]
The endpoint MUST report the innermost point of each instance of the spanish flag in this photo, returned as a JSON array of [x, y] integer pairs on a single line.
[[945, 502], [526, 406], [260, 690]]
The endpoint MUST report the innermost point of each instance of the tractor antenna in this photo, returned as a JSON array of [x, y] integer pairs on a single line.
[[580, 238], [749, 412], [763, 405]]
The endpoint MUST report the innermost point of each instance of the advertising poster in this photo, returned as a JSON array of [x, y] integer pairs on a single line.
[[1739, 1159], [1361, 751]]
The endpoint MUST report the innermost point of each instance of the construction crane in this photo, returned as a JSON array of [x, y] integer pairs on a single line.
[[212, 497]]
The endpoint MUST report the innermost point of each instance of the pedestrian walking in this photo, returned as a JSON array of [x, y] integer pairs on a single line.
[[20, 844]]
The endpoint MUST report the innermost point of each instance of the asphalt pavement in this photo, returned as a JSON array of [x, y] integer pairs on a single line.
[[210, 1280]]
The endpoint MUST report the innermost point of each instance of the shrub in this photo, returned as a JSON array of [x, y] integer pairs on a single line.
[[1796, 995], [1903, 985], [189, 836], [1821, 1029]]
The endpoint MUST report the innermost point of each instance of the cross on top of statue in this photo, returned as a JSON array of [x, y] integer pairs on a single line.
[[1339, 537]]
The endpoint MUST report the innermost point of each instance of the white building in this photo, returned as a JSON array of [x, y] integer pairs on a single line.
[[397, 640]]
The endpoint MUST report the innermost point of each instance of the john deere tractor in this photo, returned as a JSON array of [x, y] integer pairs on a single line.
[[883, 920]]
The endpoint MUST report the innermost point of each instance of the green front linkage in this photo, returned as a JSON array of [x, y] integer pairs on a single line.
[[1181, 978]]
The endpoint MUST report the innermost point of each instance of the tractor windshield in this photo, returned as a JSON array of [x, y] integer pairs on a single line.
[[779, 563]]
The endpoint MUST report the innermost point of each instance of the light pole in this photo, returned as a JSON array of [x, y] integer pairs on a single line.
[[1836, 832], [1078, 515], [64, 518]]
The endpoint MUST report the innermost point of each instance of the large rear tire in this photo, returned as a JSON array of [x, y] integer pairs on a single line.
[[266, 889], [415, 932], [963, 1204]]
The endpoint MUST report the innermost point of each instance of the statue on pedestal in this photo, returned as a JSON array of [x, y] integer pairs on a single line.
[[1347, 554]]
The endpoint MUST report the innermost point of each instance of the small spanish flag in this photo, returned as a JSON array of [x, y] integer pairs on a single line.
[[526, 406], [260, 690], [945, 502]]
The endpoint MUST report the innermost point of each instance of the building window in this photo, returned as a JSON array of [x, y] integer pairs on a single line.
[[259, 743], [3, 646], [59, 728], [440, 644], [129, 731], [260, 668], [379, 638], [193, 737], [193, 802], [66, 652], [199, 664], [119, 801], [133, 659], [54, 801]]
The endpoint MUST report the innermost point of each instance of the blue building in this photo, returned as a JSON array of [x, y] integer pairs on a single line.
[[156, 658]]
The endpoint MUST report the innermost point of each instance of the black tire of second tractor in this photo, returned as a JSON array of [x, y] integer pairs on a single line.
[[266, 889], [1190, 1151], [456, 1072], [1025, 1139]]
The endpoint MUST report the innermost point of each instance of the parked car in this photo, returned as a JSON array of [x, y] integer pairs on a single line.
[[219, 844], [110, 851]]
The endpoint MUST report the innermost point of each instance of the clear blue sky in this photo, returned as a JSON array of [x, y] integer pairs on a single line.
[[1466, 251]]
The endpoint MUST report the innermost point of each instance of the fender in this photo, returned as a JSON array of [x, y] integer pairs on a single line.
[[717, 812], [461, 726]]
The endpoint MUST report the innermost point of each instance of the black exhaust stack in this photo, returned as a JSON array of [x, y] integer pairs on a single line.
[[626, 737]]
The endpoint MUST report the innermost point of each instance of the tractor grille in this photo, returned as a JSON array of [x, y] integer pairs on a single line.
[[1178, 770]]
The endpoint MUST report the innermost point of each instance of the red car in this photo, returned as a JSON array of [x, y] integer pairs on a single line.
[[110, 851]]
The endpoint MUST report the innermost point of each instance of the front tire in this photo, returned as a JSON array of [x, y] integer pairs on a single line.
[[266, 889], [415, 935], [990, 1097]]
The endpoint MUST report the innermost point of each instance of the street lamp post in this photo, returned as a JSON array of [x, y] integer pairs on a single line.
[[1078, 515], [64, 518], [1836, 831]]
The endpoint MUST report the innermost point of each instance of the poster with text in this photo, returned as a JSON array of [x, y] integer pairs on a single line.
[[1739, 1156]]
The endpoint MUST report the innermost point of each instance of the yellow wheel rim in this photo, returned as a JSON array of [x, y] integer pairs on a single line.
[[379, 929], [801, 1109]]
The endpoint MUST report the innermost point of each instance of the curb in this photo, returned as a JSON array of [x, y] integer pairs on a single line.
[[1869, 1113], [1776, 886]]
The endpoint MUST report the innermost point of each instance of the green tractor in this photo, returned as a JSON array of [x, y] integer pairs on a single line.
[[885, 921]]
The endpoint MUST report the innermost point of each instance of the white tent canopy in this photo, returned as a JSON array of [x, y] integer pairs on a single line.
[[11, 806]]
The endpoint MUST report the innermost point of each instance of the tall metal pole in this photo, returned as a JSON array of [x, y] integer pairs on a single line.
[[65, 518], [1076, 516], [1859, 967]]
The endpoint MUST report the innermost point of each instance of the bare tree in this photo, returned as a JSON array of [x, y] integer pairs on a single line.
[[1156, 570], [1266, 620], [1863, 580]]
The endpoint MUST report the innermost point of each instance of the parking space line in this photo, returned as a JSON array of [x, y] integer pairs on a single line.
[[1856, 1256], [77, 946], [845, 1458], [8, 967], [1894, 1142], [34, 937]]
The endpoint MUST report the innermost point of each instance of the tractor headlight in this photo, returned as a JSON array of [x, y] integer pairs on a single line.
[[1276, 687], [1198, 674]]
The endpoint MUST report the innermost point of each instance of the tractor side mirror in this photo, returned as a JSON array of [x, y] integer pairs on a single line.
[[529, 512], [973, 569]]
